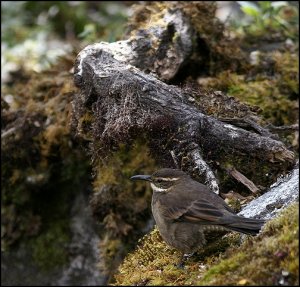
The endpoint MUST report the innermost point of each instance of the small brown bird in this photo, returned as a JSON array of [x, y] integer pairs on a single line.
[[184, 209]]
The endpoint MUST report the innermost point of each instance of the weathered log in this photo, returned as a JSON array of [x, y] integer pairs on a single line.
[[124, 93], [282, 193], [130, 99]]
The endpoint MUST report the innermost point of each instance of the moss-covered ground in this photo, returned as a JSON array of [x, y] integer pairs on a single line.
[[271, 258]]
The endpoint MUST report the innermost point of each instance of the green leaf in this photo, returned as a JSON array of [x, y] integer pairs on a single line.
[[249, 8], [264, 5], [88, 30]]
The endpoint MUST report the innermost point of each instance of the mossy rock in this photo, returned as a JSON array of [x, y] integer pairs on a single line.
[[43, 166]]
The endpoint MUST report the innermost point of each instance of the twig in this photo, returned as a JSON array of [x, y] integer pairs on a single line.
[[243, 179], [174, 159], [291, 128], [203, 168]]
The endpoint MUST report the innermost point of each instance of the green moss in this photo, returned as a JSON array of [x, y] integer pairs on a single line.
[[261, 260], [145, 265], [272, 85], [287, 66], [121, 205], [49, 250], [258, 260], [220, 51], [155, 262], [276, 107]]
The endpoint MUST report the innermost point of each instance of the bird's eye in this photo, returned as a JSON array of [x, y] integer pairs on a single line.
[[159, 181]]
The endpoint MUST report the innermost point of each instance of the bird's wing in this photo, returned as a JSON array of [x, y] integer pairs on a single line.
[[198, 211]]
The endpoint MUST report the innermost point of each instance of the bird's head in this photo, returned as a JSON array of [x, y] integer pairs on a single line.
[[163, 179]]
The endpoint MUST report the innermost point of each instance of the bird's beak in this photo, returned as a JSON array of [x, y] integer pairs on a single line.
[[141, 177]]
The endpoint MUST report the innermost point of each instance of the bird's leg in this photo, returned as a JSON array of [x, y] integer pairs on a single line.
[[183, 259]]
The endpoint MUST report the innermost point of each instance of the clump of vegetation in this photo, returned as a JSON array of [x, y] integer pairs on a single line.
[[34, 35], [272, 84], [271, 258], [265, 19], [270, 79]]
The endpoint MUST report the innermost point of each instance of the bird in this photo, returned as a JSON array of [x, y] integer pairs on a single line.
[[184, 209]]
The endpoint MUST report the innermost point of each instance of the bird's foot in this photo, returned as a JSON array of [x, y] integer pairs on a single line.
[[183, 260]]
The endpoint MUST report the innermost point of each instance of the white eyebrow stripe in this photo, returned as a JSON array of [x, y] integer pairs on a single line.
[[167, 178], [158, 189]]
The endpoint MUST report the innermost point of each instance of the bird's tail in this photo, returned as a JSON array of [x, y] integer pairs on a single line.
[[246, 225]]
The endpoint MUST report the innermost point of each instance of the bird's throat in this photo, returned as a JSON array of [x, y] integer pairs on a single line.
[[158, 189]]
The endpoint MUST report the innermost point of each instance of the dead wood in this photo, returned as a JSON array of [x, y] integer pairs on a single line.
[[123, 92]]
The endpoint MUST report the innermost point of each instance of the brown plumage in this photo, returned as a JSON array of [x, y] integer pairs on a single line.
[[184, 209]]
